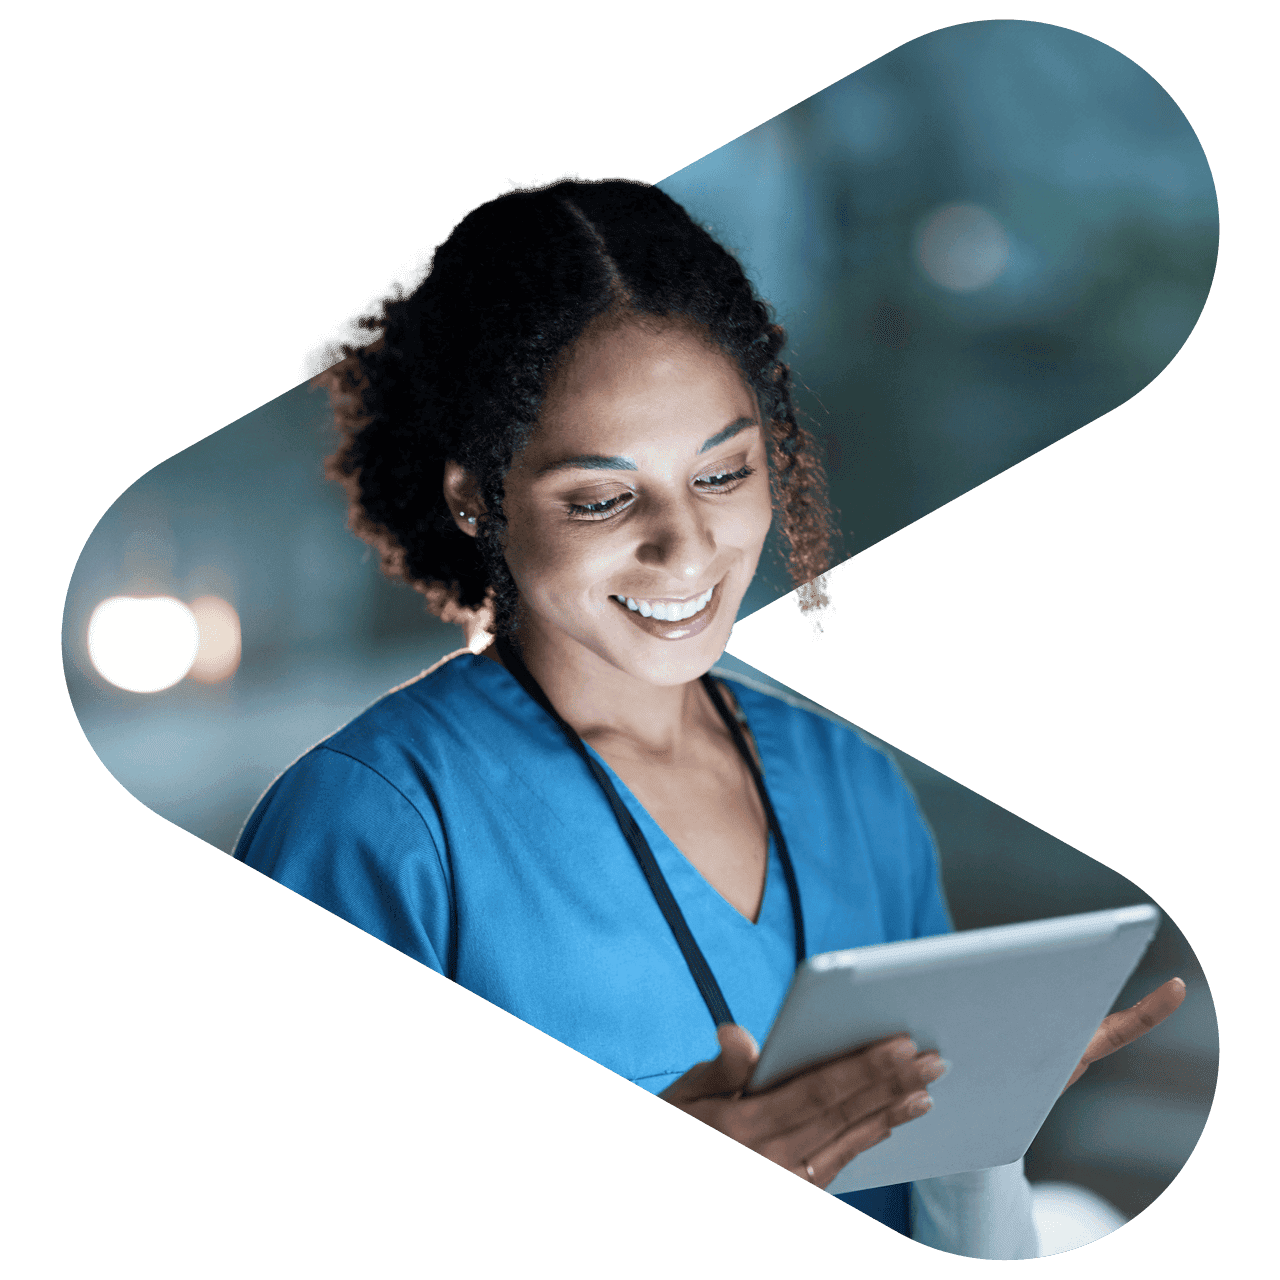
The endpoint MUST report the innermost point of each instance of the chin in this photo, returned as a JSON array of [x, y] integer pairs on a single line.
[[666, 663], [670, 674]]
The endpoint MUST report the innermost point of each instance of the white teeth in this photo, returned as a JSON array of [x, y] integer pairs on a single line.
[[665, 612]]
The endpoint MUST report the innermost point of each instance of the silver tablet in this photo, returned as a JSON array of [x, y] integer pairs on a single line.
[[1011, 1008]]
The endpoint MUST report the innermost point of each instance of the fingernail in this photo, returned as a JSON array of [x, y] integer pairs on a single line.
[[903, 1051], [934, 1070], [918, 1104]]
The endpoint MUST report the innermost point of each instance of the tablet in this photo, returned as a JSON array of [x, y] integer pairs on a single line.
[[1011, 1008]]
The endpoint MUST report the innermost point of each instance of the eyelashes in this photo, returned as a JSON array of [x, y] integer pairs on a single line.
[[718, 482], [720, 479], [600, 510]]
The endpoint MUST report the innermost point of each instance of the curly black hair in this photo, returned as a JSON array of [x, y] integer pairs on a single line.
[[457, 370]]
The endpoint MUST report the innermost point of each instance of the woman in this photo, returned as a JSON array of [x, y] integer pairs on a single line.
[[578, 429]]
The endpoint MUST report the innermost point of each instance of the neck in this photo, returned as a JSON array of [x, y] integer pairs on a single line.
[[603, 703]]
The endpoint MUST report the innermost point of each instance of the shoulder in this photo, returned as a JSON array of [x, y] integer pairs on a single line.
[[441, 721], [403, 755], [439, 696]]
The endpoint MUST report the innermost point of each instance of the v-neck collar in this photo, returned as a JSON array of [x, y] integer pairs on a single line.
[[632, 801], [640, 814]]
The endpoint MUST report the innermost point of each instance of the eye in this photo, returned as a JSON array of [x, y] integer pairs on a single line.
[[723, 481], [605, 509]]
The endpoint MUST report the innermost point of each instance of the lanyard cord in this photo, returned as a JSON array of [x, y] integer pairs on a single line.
[[699, 969], [784, 856]]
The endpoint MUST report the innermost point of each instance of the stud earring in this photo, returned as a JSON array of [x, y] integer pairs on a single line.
[[467, 518]]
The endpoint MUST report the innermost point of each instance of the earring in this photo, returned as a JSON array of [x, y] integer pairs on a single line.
[[467, 518]]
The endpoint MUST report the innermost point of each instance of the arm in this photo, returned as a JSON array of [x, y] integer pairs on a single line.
[[983, 1214]]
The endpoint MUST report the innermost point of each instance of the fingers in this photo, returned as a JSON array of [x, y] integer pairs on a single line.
[[823, 1165], [820, 1120], [1125, 1027], [822, 1087], [726, 1074], [739, 1054], [1120, 1029], [895, 1098], [841, 1093], [737, 1042], [870, 1117]]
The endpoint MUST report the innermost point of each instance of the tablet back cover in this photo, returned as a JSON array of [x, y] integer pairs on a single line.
[[1011, 1008]]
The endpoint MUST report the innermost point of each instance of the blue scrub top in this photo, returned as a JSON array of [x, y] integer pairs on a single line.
[[453, 821]]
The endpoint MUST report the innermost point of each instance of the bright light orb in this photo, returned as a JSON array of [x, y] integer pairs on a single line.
[[143, 644], [219, 653], [962, 248]]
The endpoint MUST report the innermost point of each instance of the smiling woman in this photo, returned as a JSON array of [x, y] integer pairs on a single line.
[[576, 434], [531, 295], [670, 512], [637, 512]]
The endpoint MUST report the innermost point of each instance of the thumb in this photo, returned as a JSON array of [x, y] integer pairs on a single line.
[[739, 1054], [727, 1073]]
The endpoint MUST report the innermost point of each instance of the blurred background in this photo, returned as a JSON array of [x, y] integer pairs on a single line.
[[982, 241], [978, 243], [1128, 1125]]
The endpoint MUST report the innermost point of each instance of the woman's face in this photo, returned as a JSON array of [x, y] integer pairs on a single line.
[[638, 510]]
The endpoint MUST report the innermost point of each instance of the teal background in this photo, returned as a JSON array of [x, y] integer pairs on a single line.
[[213, 1077]]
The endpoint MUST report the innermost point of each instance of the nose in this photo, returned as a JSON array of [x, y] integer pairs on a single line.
[[677, 537]]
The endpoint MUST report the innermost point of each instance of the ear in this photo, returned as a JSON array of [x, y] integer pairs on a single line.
[[462, 494]]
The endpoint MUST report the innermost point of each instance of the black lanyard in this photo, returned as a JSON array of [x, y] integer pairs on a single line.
[[697, 962]]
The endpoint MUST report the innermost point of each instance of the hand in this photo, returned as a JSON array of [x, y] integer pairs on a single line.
[[1120, 1029], [816, 1122]]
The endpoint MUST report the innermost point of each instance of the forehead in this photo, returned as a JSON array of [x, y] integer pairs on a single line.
[[638, 383]]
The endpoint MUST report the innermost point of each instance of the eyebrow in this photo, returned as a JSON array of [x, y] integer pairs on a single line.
[[601, 462], [591, 462], [741, 424]]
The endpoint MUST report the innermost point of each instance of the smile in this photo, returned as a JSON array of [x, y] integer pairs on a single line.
[[668, 610]]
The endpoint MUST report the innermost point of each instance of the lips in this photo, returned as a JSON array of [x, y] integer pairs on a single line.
[[683, 618]]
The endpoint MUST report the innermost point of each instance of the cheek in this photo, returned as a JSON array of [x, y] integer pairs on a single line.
[[548, 563], [528, 550], [747, 526]]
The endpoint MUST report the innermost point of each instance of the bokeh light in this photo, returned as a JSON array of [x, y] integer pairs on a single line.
[[143, 643], [219, 653], [962, 247]]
